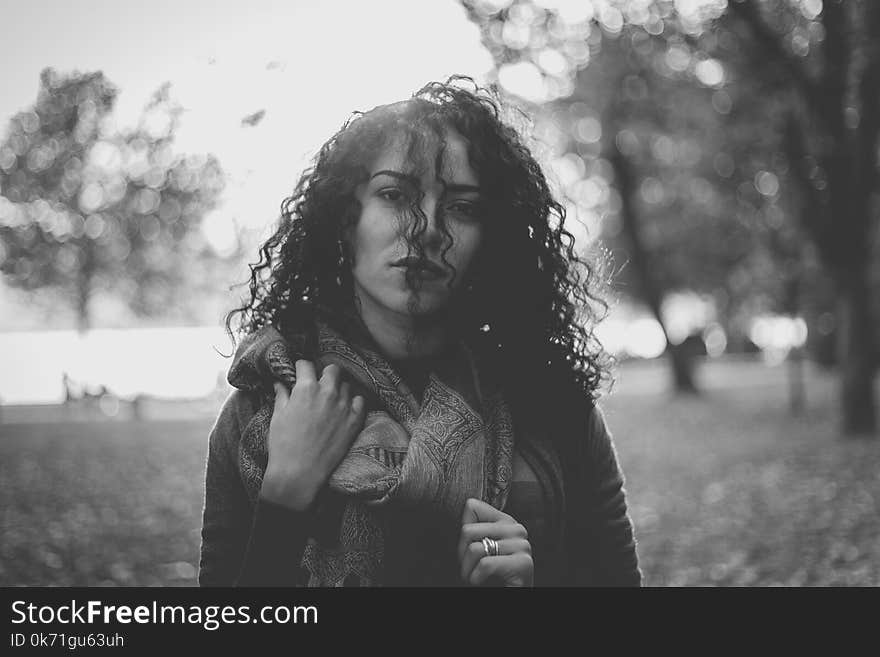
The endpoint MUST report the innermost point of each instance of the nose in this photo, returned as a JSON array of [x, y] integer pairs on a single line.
[[433, 236]]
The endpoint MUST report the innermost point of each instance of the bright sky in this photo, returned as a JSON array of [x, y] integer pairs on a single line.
[[308, 63]]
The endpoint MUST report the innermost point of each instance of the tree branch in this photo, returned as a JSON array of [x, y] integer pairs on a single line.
[[869, 91], [771, 42], [814, 214]]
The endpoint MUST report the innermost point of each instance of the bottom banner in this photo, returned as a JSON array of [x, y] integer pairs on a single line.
[[154, 619], [143, 618]]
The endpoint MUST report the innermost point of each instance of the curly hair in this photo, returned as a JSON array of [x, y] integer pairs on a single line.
[[532, 302]]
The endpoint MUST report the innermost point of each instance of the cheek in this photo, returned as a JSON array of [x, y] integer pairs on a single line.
[[373, 234], [364, 241], [468, 240]]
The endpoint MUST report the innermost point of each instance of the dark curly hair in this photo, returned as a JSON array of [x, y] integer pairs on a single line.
[[532, 303]]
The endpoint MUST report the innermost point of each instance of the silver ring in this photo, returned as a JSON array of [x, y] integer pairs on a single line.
[[490, 547]]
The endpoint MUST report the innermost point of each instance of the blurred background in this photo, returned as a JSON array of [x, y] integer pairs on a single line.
[[722, 156]]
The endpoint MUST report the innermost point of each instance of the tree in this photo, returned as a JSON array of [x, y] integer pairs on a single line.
[[86, 208], [794, 155], [835, 80], [628, 152]]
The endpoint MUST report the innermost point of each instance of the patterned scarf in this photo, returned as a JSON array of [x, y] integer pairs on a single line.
[[427, 456]]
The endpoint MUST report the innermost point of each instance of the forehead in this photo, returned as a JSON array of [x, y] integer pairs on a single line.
[[454, 164]]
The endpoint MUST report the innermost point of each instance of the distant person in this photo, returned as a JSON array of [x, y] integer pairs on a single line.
[[68, 393], [137, 406], [415, 389]]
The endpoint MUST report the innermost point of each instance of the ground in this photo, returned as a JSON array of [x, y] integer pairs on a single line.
[[727, 488]]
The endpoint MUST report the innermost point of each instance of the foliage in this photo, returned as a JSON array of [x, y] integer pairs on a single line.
[[726, 489], [654, 82], [729, 490], [101, 503], [88, 209], [742, 138]]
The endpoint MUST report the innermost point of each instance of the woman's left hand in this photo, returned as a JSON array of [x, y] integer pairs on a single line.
[[512, 566]]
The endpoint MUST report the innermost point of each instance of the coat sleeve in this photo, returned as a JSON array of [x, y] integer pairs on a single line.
[[603, 546], [227, 514], [244, 544]]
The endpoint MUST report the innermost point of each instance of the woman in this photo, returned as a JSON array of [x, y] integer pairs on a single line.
[[415, 393]]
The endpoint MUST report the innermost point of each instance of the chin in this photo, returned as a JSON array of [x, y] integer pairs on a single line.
[[397, 299], [428, 304]]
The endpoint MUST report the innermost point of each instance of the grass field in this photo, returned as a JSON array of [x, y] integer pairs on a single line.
[[724, 489]]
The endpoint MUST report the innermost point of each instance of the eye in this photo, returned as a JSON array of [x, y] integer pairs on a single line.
[[391, 194], [469, 209]]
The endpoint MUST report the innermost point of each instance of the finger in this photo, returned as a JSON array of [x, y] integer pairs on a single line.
[[479, 511], [281, 395], [305, 372], [344, 391], [330, 376], [498, 530], [509, 570], [358, 407], [475, 551]]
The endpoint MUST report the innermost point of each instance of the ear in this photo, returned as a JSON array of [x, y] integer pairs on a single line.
[[347, 242]]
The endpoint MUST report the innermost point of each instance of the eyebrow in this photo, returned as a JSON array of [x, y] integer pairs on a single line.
[[462, 187], [396, 174], [451, 187]]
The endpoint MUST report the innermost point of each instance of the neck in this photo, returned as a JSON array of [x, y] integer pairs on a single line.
[[402, 336]]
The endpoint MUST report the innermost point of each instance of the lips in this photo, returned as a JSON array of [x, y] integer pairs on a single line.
[[422, 264]]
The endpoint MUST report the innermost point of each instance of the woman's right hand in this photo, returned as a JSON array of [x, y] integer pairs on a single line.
[[310, 432]]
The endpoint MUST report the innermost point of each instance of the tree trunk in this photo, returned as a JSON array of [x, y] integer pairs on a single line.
[[858, 346], [84, 286], [851, 265], [82, 305], [851, 81], [797, 395], [856, 356], [682, 367], [792, 307], [681, 362]]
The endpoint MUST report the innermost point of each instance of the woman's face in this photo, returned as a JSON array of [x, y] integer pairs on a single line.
[[451, 197]]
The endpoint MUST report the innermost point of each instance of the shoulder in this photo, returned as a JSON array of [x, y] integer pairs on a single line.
[[234, 416], [577, 408], [597, 427], [585, 433]]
